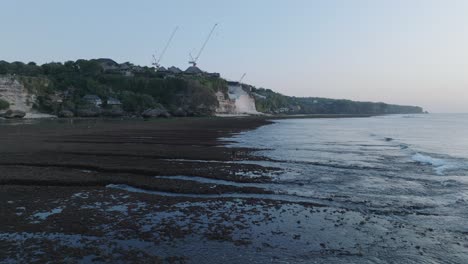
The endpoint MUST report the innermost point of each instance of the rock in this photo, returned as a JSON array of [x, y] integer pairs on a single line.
[[88, 111], [204, 110], [151, 113], [179, 112], [155, 112], [66, 114], [14, 114], [190, 112], [113, 112]]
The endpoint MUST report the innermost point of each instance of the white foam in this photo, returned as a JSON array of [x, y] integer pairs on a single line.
[[210, 181], [45, 215], [277, 197], [440, 165], [429, 160]]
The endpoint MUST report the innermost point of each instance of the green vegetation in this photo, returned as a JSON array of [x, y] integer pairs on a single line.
[[271, 102], [61, 87], [4, 104], [142, 90]]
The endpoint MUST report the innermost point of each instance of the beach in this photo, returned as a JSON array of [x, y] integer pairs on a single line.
[[56, 175], [211, 190], [98, 152]]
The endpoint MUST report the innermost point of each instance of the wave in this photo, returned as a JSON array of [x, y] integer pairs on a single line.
[[275, 197], [441, 166]]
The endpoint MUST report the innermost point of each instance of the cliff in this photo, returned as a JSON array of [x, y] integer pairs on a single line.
[[16, 94], [87, 88], [237, 101]]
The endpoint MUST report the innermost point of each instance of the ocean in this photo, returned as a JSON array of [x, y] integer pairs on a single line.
[[408, 169]]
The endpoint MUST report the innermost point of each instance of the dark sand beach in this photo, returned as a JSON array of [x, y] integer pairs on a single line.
[[53, 185], [100, 152]]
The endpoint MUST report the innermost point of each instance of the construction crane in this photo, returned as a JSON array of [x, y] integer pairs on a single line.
[[242, 78], [194, 60], [240, 82], [156, 61]]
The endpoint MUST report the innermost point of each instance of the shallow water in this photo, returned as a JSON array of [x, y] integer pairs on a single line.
[[409, 168]]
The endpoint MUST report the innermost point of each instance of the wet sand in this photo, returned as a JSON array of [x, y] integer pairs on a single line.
[[43, 165], [100, 152]]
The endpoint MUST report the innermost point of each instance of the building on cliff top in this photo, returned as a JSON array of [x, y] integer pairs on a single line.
[[194, 70], [125, 69], [92, 99], [111, 101], [174, 70], [108, 64]]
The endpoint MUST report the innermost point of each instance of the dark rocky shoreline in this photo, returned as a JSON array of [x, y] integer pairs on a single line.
[[42, 161], [96, 152], [169, 191]]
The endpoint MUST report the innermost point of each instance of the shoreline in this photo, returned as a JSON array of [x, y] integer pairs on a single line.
[[170, 191], [100, 152], [42, 116], [56, 176], [103, 151]]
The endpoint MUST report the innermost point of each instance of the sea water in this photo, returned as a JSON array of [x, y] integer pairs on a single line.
[[410, 169]]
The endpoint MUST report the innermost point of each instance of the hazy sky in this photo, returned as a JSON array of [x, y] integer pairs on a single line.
[[396, 51]]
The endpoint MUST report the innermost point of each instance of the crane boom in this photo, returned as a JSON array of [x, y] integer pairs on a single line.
[[169, 41], [195, 60], [242, 78]]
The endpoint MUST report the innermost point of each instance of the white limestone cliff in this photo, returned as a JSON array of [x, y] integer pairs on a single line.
[[15, 93]]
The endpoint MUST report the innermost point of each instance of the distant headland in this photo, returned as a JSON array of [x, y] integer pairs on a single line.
[[103, 87]]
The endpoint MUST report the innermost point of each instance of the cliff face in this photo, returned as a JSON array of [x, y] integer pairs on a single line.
[[238, 101], [13, 91], [225, 105]]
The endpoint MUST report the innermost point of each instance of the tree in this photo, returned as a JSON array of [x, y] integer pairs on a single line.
[[4, 104], [89, 68], [4, 67], [136, 103]]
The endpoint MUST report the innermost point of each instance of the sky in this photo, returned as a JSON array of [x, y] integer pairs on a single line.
[[396, 51]]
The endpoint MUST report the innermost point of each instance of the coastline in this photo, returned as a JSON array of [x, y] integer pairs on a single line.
[[171, 191], [96, 152], [47, 166], [99, 152]]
